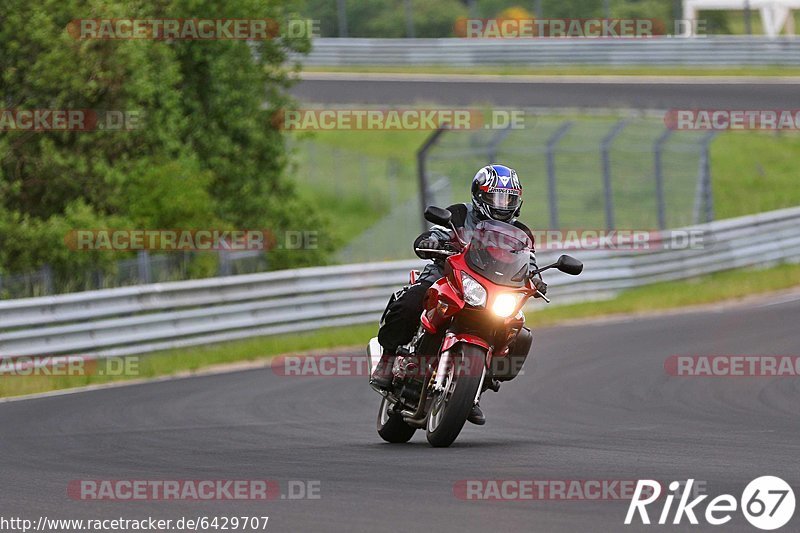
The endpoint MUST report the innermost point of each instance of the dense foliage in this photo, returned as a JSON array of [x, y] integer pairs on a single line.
[[204, 153]]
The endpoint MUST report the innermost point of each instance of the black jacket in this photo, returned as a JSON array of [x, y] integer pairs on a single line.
[[464, 217]]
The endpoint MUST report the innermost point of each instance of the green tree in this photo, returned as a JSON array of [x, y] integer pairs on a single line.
[[204, 152]]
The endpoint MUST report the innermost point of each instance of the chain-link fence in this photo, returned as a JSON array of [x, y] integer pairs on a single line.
[[581, 172], [144, 268], [589, 172]]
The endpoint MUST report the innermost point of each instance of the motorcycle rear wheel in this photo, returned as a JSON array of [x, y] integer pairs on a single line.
[[391, 427], [451, 407]]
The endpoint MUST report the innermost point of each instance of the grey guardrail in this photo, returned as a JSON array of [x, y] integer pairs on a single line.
[[701, 51], [147, 318]]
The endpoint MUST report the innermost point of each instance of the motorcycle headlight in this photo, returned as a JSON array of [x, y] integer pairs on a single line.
[[474, 293], [505, 304]]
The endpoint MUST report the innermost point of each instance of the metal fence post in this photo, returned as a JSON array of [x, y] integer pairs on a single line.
[[551, 171], [47, 279], [143, 264], [499, 137], [224, 263], [410, 33], [705, 176], [422, 158], [341, 10], [605, 149], [658, 149], [392, 171]]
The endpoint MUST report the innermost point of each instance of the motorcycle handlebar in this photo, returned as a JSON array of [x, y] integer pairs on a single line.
[[436, 251]]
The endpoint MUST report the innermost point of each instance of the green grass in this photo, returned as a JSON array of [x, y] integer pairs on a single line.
[[570, 70], [754, 172], [375, 143], [348, 173], [707, 289], [736, 22]]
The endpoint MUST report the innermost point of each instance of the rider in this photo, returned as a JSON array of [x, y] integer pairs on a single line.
[[497, 195]]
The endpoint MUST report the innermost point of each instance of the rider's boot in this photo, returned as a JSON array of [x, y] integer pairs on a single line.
[[382, 375], [476, 416]]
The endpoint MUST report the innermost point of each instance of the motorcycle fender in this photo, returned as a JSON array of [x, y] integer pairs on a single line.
[[374, 353], [451, 339]]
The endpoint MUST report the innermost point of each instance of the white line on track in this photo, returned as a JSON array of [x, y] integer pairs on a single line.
[[781, 301]]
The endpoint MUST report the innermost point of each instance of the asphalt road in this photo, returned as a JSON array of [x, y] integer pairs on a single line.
[[588, 92], [595, 403]]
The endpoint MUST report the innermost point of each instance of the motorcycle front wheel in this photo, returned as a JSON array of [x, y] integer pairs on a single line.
[[451, 406], [391, 427]]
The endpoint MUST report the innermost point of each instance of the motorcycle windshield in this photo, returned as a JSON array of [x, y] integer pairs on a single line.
[[500, 252]]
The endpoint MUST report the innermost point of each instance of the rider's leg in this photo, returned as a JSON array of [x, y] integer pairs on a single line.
[[399, 325]]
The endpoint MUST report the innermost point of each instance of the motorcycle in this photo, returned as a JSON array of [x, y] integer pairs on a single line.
[[471, 335]]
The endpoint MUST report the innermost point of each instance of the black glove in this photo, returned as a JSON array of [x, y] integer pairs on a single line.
[[432, 244], [540, 285]]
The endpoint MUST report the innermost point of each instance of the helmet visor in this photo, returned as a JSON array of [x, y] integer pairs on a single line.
[[502, 199]]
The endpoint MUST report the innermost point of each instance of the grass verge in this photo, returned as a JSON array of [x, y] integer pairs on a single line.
[[702, 290]]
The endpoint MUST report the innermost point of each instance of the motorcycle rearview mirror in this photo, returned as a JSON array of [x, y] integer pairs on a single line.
[[438, 216], [566, 264], [569, 265]]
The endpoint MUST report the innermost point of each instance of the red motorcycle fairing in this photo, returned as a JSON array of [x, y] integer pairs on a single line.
[[442, 301]]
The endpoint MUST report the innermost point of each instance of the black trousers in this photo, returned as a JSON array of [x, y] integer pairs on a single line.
[[402, 317]]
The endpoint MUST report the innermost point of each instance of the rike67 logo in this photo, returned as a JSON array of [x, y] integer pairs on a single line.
[[767, 503]]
